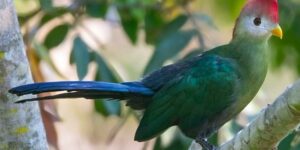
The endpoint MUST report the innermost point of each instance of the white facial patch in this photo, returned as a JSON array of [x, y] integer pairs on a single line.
[[263, 29]]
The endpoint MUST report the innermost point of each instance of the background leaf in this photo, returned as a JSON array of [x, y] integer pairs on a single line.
[[206, 19], [154, 23], [46, 5], [107, 108], [96, 8], [129, 24], [105, 73], [286, 143], [168, 47], [49, 16], [81, 57], [56, 36], [174, 25]]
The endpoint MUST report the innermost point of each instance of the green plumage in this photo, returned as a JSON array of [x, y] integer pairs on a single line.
[[198, 95], [200, 98]]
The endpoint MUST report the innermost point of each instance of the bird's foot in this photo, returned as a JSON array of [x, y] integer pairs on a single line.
[[205, 145]]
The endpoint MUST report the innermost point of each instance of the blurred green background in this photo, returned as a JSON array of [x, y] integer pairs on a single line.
[[121, 40]]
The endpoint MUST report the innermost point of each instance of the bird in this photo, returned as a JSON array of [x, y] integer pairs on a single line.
[[199, 94]]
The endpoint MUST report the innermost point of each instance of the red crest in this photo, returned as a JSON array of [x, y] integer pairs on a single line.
[[268, 8]]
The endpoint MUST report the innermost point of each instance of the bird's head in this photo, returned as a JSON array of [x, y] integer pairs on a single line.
[[259, 19]]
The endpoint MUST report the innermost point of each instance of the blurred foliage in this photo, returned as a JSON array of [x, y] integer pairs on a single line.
[[178, 142], [287, 51], [291, 142], [56, 36], [81, 57], [163, 22]]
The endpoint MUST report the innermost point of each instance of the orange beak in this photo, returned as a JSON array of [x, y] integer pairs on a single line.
[[277, 31]]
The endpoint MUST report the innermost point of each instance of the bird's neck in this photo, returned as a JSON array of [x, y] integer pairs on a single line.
[[249, 48], [243, 38], [251, 54], [251, 57]]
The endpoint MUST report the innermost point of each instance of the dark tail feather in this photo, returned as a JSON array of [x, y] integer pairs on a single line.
[[85, 89]]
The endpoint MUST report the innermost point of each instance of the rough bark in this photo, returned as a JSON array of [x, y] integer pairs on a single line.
[[20, 124], [271, 125]]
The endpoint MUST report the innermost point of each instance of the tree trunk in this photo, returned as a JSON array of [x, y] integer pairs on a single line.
[[20, 124]]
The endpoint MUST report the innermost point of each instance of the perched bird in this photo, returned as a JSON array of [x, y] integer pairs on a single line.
[[198, 95]]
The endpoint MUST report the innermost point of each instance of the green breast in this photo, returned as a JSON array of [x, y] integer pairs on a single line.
[[252, 64]]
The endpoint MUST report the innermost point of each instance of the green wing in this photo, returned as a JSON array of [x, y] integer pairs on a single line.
[[191, 97]]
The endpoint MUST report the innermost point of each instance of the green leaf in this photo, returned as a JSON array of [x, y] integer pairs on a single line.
[[43, 54], [130, 25], [46, 5], [154, 23], [58, 11], [157, 28], [106, 73], [169, 47], [56, 36], [107, 108], [206, 19], [287, 51], [286, 143], [138, 13], [96, 9], [174, 25], [81, 57], [277, 56]]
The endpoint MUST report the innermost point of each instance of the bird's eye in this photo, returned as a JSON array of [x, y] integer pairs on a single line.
[[257, 21]]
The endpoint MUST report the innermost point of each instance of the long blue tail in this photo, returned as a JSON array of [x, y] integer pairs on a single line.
[[84, 89]]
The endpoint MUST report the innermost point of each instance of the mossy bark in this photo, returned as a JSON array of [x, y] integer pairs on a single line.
[[20, 124]]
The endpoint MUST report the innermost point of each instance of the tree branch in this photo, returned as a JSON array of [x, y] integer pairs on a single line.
[[271, 125]]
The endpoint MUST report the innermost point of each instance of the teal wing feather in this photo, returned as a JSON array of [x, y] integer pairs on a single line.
[[191, 97]]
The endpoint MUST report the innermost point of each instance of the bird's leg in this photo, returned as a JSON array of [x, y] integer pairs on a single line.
[[204, 144]]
